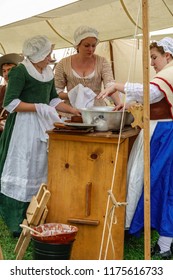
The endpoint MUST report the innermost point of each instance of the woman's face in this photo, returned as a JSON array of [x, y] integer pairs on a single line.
[[158, 60], [42, 64], [87, 46]]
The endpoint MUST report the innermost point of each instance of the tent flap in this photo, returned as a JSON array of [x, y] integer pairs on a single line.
[[114, 19]]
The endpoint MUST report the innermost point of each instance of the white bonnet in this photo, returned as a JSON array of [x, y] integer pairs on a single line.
[[37, 48], [167, 44], [83, 32]]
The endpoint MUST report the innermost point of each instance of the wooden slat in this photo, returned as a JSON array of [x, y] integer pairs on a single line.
[[84, 221], [36, 214], [1, 254]]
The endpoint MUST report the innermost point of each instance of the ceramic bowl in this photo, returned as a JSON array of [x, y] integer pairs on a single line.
[[55, 233]]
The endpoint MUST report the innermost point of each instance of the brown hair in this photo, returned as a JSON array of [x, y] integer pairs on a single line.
[[154, 45]]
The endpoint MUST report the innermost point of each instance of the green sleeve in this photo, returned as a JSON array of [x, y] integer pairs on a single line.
[[53, 93], [15, 85]]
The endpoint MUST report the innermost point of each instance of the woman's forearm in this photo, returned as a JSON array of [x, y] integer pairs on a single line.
[[111, 90], [116, 98], [119, 87], [25, 107], [63, 107]]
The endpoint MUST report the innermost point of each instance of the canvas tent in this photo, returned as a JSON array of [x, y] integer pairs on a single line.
[[114, 19]]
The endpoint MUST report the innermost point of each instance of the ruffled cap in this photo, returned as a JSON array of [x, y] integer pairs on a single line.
[[37, 48], [167, 44], [84, 32]]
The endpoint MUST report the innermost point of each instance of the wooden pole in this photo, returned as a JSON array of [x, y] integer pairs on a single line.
[[147, 228], [111, 58]]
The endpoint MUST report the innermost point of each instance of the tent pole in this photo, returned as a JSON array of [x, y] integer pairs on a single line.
[[112, 58], [147, 228]]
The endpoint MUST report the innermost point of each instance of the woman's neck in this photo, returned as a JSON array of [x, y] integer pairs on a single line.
[[38, 68], [82, 65], [85, 59]]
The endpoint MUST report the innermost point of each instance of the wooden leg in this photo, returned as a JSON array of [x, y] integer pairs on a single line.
[[1, 254], [23, 247]]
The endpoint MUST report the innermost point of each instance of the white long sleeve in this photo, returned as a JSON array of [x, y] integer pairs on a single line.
[[134, 92]]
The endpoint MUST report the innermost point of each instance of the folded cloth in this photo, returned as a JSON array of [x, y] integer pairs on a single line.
[[81, 97], [47, 116]]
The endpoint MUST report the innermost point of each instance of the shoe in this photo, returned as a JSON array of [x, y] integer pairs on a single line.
[[127, 236], [172, 248], [16, 233], [155, 251]]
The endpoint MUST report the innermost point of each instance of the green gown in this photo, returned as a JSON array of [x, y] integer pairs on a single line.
[[24, 87]]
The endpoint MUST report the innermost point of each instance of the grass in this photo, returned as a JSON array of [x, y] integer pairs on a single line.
[[8, 243], [133, 247]]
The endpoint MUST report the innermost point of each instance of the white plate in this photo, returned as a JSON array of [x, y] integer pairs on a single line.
[[80, 125]]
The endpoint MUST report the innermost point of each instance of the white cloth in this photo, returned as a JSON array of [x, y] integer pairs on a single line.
[[47, 116], [81, 97], [45, 76], [135, 175], [22, 159], [28, 140]]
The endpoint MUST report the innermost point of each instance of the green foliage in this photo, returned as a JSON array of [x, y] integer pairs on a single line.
[[8, 243], [134, 246]]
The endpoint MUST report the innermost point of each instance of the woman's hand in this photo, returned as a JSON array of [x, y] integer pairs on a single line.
[[110, 90], [75, 112], [106, 92], [118, 107]]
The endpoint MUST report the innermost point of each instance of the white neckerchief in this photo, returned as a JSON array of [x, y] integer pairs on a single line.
[[45, 76]]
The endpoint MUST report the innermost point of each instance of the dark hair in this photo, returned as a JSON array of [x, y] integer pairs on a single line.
[[8, 63], [154, 45]]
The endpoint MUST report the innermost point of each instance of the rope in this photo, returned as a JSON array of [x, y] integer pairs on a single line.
[[111, 214], [2, 112], [128, 14]]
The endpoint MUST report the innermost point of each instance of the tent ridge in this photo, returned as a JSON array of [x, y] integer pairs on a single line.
[[50, 25], [164, 2], [128, 14]]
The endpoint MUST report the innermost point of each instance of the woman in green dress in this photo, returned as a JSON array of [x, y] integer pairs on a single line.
[[32, 101]]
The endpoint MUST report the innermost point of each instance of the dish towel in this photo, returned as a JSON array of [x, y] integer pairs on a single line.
[[81, 97], [47, 116]]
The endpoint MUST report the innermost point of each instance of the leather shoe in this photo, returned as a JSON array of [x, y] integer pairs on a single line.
[[155, 251], [172, 248], [16, 233]]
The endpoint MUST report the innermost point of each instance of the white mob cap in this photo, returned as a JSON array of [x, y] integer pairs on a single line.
[[167, 44], [83, 32], [37, 48]]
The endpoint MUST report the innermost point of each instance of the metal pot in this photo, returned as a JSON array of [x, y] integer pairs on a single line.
[[104, 117]]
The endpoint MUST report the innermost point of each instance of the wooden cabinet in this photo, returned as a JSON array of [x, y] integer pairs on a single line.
[[80, 174]]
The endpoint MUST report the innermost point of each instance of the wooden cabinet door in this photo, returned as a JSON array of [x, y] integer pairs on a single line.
[[80, 174]]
